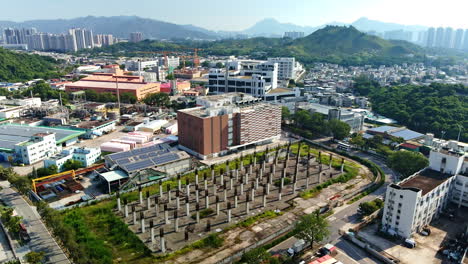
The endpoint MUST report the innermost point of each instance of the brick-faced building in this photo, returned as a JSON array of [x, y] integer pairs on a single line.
[[216, 129]]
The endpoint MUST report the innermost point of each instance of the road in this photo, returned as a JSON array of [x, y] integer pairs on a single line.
[[41, 239], [349, 214]]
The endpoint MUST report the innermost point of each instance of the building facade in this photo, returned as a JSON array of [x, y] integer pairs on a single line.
[[41, 146], [251, 77], [225, 123], [288, 68], [87, 156], [414, 202], [136, 37]]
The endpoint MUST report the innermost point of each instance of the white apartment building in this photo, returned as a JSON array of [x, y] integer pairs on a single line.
[[294, 34], [244, 76], [87, 156], [172, 61], [414, 202], [140, 65], [41, 146], [288, 68]]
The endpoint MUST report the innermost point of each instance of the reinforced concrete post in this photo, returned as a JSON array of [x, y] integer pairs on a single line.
[[231, 183], [142, 220], [205, 183], [176, 222], [237, 174], [250, 168], [252, 190], [140, 193], [197, 208], [235, 197], [186, 234], [280, 190], [307, 183], [177, 199], [268, 188], [221, 177], [166, 215], [134, 215], [208, 226], [331, 160], [162, 241], [270, 178], [196, 179], [229, 212], [156, 205], [168, 190], [197, 195], [187, 206], [160, 189], [126, 210], [179, 183], [282, 182], [152, 232], [247, 204], [212, 174], [207, 200], [264, 196], [214, 186], [217, 205], [342, 165], [246, 178], [187, 189], [119, 206], [256, 183]]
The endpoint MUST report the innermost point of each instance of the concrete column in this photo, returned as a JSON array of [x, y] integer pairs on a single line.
[[119, 206], [268, 188], [280, 193], [197, 195], [142, 220], [217, 205], [342, 165], [229, 212], [197, 208], [134, 216], [256, 183], [250, 168], [282, 183], [205, 184], [307, 183], [331, 160], [187, 206], [140, 193], [187, 190], [152, 232], [186, 234], [270, 178], [264, 199], [179, 183], [177, 200], [221, 177], [212, 174], [176, 222], [246, 178], [126, 210], [241, 188], [160, 189], [252, 190], [208, 226], [162, 241], [235, 197], [168, 190], [247, 204], [237, 174], [196, 179], [156, 205], [231, 184], [207, 200], [166, 215]]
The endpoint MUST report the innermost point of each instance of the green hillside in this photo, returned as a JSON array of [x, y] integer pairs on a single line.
[[335, 44], [17, 67]]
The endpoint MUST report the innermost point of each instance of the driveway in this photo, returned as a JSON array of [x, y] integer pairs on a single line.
[[41, 239]]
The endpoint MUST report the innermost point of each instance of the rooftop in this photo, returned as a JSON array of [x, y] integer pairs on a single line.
[[114, 175], [109, 85], [426, 180], [12, 134]]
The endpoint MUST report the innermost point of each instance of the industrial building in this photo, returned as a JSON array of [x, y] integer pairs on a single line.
[[110, 83], [87, 156], [28, 144], [160, 157], [388, 132], [224, 123], [414, 202], [353, 119], [244, 76]]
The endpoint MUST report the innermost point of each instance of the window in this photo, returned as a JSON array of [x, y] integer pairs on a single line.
[[401, 196], [399, 204], [397, 223]]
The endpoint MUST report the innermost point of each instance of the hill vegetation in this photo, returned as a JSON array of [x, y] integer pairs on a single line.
[[441, 109], [16, 67], [334, 44]]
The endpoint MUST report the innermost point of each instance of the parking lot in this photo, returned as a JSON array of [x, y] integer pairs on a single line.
[[428, 250]]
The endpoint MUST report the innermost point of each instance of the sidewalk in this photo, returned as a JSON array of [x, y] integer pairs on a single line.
[[41, 239]]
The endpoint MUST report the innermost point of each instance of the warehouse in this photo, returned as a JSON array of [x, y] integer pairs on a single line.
[[17, 142]]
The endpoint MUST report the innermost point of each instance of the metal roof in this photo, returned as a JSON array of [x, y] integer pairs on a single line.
[[12, 134], [407, 134]]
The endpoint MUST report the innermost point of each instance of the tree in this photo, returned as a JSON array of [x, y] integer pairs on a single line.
[[285, 113], [157, 99], [170, 76], [367, 208], [358, 140], [128, 98], [219, 65], [11, 222], [256, 255], [72, 164], [205, 64], [407, 162], [34, 257], [41, 172], [301, 118], [313, 228], [340, 130]]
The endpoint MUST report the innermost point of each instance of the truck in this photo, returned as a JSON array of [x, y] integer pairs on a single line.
[[297, 247]]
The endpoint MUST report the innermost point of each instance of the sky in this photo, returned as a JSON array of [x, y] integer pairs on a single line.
[[241, 14]]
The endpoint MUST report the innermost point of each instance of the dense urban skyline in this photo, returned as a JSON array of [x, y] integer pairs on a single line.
[[242, 14]]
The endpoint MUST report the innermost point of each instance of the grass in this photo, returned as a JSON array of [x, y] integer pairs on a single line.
[[252, 220]]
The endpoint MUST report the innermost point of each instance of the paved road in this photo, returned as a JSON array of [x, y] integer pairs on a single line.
[[348, 214], [41, 239], [5, 251]]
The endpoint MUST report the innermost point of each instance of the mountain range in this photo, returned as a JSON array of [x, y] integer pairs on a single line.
[[122, 26]]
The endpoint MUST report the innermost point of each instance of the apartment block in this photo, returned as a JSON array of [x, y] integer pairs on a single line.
[[225, 123], [414, 202], [288, 68]]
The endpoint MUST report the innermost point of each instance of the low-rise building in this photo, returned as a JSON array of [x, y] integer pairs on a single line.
[[353, 119], [39, 147], [87, 156], [414, 202]]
